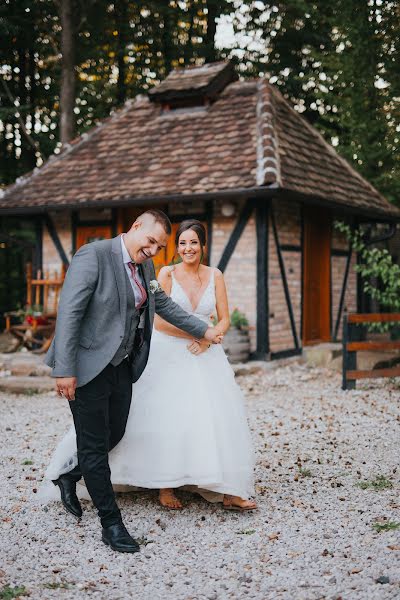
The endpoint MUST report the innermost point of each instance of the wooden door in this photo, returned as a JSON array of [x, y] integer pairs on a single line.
[[316, 276], [86, 234]]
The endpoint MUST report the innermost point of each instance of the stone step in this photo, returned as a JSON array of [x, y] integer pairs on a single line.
[[330, 355], [26, 385], [23, 364]]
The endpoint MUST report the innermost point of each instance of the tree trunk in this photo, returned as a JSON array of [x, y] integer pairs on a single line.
[[122, 23], [68, 81], [210, 53]]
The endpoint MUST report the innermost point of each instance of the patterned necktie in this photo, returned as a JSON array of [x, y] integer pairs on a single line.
[[135, 278]]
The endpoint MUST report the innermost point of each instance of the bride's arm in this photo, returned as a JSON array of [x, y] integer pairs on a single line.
[[221, 296], [165, 280]]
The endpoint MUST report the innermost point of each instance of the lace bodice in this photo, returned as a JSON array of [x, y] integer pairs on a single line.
[[205, 308]]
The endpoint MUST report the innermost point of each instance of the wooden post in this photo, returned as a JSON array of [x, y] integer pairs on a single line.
[[45, 291], [37, 289], [262, 217], [29, 284], [349, 358]]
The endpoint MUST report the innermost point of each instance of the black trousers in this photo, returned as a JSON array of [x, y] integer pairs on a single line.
[[100, 411]]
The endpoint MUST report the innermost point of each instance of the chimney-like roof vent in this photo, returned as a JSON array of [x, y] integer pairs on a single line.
[[194, 86]]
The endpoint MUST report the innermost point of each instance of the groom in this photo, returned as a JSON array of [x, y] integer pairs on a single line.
[[100, 348]]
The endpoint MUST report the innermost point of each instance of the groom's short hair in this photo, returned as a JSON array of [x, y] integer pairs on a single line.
[[159, 217]]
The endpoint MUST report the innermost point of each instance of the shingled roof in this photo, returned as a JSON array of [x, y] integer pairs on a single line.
[[249, 140]]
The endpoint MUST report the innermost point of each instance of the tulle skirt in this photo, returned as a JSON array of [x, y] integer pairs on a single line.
[[187, 427]]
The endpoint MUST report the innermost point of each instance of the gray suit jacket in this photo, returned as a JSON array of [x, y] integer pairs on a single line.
[[92, 310]]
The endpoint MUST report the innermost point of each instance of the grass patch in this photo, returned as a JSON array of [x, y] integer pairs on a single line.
[[305, 472], [57, 585], [7, 592], [27, 462], [379, 483], [389, 526]]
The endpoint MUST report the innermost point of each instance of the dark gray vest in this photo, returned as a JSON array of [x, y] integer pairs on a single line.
[[131, 324]]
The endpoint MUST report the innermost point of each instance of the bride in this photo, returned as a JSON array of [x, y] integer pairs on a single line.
[[187, 425]]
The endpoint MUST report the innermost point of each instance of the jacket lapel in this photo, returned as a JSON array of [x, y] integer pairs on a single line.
[[119, 271]]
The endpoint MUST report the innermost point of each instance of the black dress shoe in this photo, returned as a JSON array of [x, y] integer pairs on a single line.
[[119, 539], [68, 495]]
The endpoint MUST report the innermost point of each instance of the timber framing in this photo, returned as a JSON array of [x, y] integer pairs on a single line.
[[236, 234], [262, 324], [342, 293], [56, 240], [284, 281]]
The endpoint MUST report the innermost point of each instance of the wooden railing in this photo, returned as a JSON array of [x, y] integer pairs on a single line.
[[353, 344], [42, 294]]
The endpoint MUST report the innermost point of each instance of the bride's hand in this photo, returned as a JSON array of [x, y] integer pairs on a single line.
[[198, 347]]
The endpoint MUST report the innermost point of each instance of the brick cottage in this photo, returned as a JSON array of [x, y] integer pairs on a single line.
[[238, 157]]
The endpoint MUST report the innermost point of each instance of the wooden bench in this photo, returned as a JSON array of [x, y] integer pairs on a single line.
[[352, 343], [37, 329]]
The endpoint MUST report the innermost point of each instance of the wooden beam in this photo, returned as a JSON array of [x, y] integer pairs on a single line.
[[285, 353], [56, 240], [373, 373], [370, 345], [290, 248], [342, 292], [284, 281], [373, 317], [236, 234], [262, 325]]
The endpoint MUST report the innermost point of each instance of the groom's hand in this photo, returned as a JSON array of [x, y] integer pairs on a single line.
[[214, 336], [65, 387]]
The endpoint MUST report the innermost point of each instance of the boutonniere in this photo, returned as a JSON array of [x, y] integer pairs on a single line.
[[154, 286]]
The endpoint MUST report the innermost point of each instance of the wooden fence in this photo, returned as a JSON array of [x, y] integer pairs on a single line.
[[352, 343]]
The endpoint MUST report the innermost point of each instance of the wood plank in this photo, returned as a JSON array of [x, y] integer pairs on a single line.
[[373, 317], [374, 373], [316, 316], [357, 346]]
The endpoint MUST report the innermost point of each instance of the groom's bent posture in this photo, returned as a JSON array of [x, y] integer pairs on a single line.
[[101, 345]]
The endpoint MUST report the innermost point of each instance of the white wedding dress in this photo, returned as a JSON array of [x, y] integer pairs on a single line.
[[187, 424]]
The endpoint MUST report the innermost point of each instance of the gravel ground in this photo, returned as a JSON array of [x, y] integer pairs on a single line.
[[314, 536]]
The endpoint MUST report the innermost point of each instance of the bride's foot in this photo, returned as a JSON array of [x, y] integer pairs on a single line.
[[169, 500], [237, 503]]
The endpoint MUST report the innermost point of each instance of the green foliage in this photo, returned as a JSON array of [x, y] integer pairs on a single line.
[[379, 483], [7, 592], [337, 62], [305, 472], [381, 276], [389, 526], [238, 319], [122, 49]]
